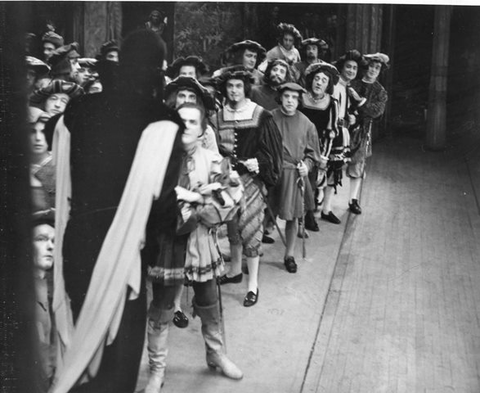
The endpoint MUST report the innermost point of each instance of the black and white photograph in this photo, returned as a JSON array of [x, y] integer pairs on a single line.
[[161, 162]]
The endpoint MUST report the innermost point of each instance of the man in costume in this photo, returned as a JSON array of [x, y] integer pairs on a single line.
[[312, 50], [288, 36], [118, 183], [187, 89], [250, 138], [50, 42], [64, 62], [266, 95], [247, 53], [300, 153], [369, 98], [109, 51], [191, 66], [347, 66]]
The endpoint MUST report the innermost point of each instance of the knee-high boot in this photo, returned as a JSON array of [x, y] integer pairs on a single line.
[[158, 323], [212, 335]]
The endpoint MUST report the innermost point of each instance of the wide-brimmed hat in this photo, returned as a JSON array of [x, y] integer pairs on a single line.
[[35, 115], [284, 28], [250, 45], [37, 65], [87, 62], [60, 60], [321, 44], [57, 86], [195, 61], [188, 83], [351, 55], [235, 72], [321, 66], [44, 217], [109, 46], [53, 38], [379, 57], [290, 86]]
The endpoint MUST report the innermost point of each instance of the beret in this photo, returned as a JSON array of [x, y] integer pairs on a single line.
[[53, 38], [235, 72], [37, 65], [188, 83], [56, 86], [380, 57], [315, 41], [323, 66], [351, 55], [283, 28], [87, 62], [194, 61], [291, 86], [44, 217], [247, 44]]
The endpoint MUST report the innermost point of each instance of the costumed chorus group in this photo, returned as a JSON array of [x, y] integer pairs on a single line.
[[132, 179]]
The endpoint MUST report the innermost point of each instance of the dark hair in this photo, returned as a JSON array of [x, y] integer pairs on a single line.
[[273, 63], [351, 55], [238, 56], [171, 100], [247, 85], [201, 109], [384, 66], [278, 98], [309, 80]]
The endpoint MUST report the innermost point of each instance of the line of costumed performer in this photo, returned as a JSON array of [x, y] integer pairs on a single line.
[[118, 155], [251, 140]]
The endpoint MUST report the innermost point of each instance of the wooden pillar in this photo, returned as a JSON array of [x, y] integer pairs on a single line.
[[437, 96], [364, 27], [96, 22]]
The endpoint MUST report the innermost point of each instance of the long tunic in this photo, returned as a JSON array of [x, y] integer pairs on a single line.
[[325, 121], [264, 96], [250, 132], [373, 108], [298, 145]]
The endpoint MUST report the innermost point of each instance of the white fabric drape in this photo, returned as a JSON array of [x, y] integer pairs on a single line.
[[118, 265]]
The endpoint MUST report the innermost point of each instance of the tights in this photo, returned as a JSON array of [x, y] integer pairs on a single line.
[[205, 294]]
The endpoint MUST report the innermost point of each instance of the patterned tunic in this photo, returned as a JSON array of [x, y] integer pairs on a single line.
[[373, 108], [325, 121], [250, 132]]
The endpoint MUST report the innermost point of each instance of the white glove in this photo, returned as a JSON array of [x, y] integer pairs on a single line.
[[302, 169], [252, 165], [186, 195]]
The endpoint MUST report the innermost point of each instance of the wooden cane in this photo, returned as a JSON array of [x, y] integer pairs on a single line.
[[220, 303]]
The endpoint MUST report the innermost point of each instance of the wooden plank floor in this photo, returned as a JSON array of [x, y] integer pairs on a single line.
[[403, 308]]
